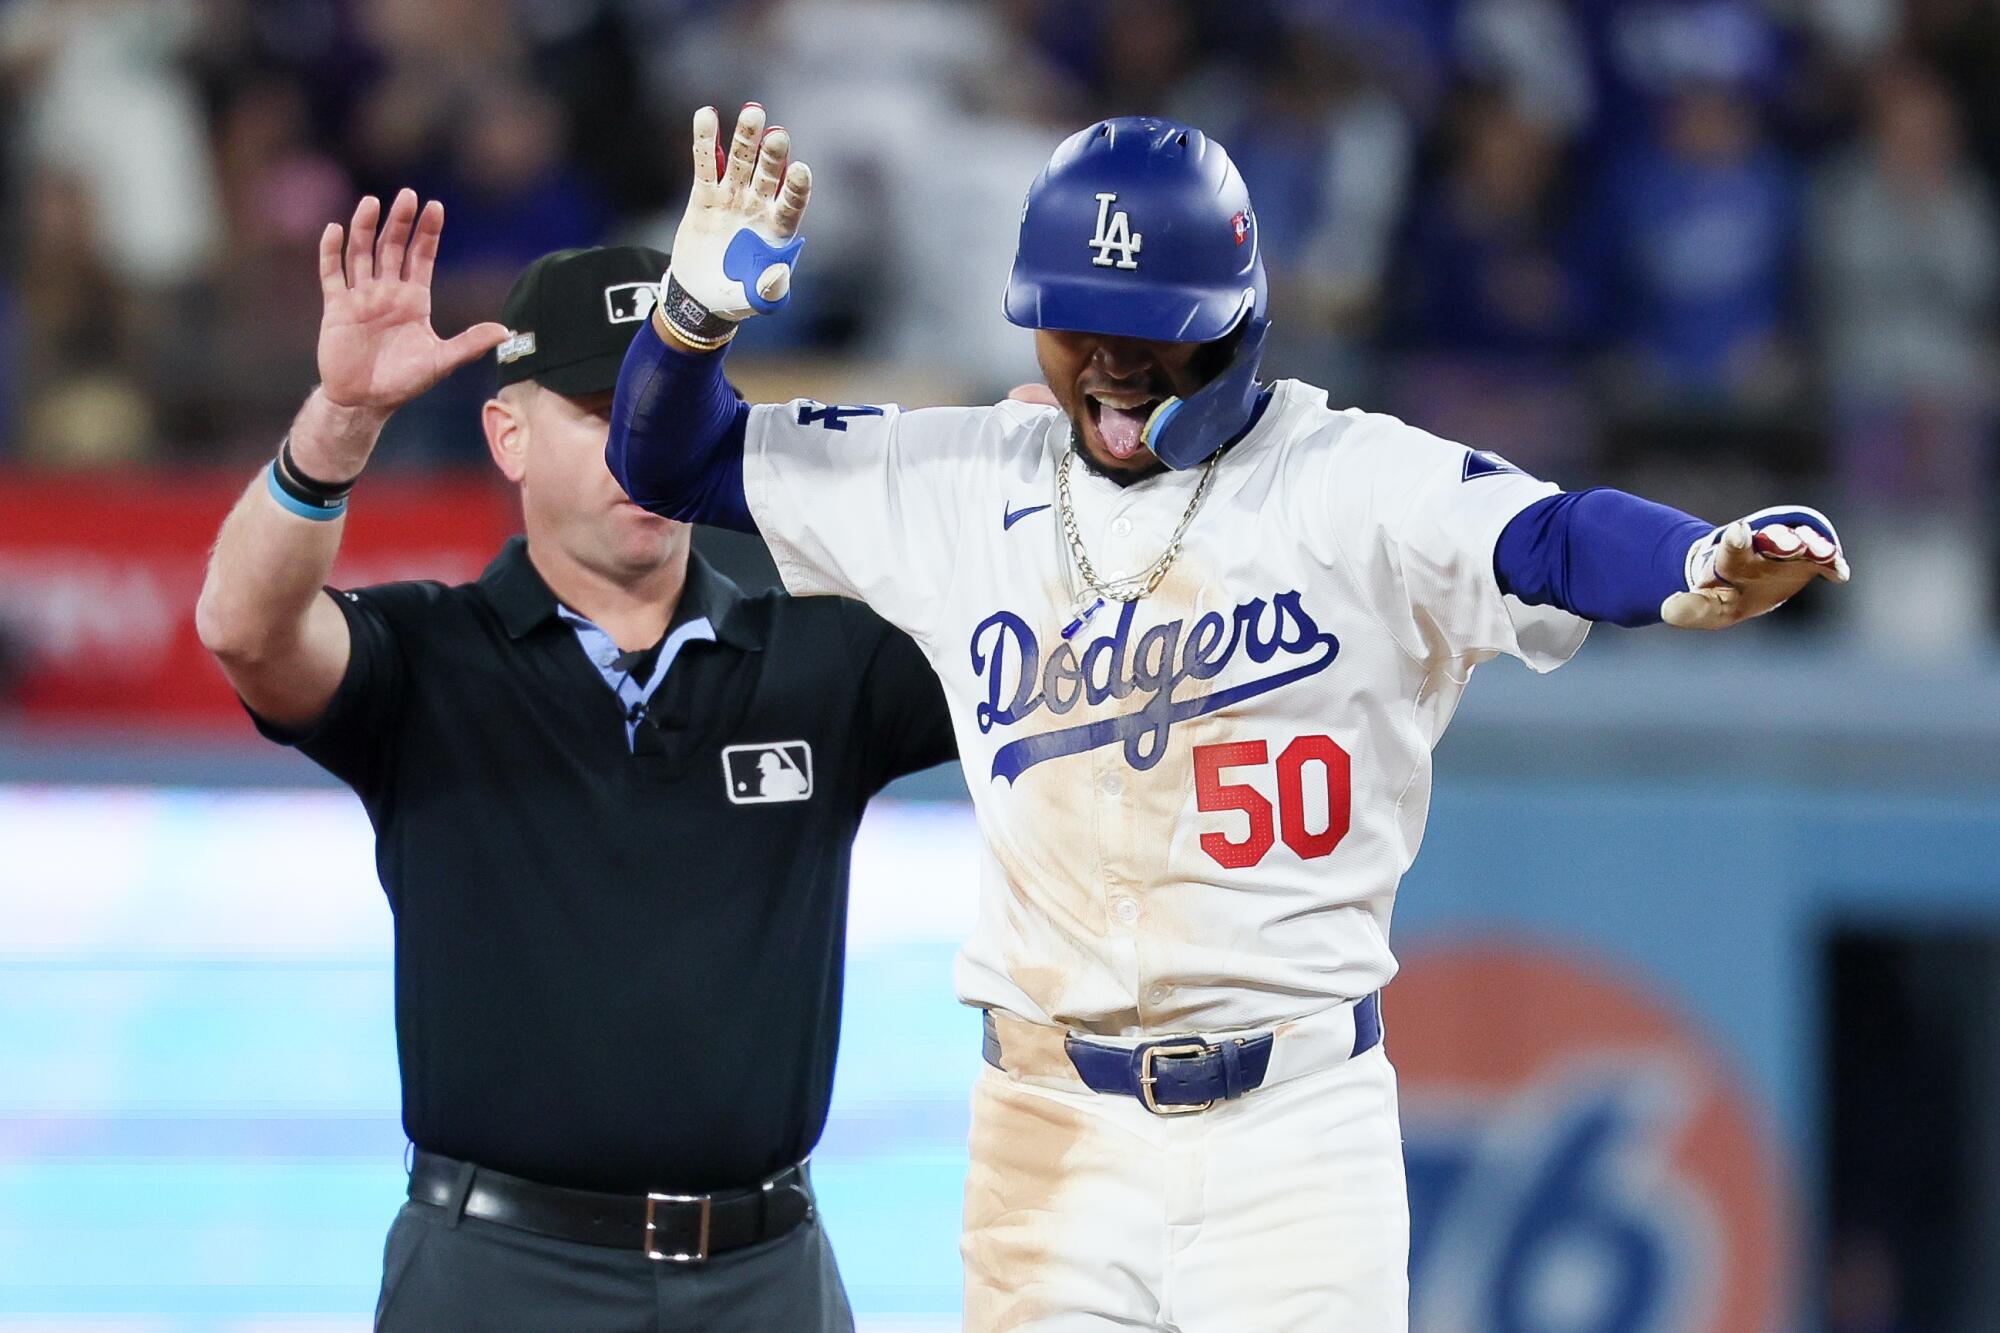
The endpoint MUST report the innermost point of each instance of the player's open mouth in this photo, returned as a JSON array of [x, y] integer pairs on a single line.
[[1121, 419]]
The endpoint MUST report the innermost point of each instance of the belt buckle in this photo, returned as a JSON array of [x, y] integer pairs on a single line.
[[1147, 1079], [700, 1255]]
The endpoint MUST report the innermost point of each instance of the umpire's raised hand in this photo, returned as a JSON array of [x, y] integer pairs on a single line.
[[377, 349], [283, 645]]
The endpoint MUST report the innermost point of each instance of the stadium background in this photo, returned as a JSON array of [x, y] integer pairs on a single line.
[[1700, 1019]]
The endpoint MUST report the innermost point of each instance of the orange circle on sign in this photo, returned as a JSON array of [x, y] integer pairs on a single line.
[[1499, 1025]]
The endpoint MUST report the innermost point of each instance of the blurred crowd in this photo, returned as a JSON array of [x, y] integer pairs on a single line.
[[1700, 247]]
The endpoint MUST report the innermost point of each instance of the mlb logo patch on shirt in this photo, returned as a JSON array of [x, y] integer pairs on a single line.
[[1486, 463], [761, 774]]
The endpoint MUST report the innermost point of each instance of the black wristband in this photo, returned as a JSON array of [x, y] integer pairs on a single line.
[[694, 321], [309, 490]]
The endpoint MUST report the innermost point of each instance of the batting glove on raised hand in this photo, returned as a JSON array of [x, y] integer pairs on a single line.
[[1754, 565], [738, 240]]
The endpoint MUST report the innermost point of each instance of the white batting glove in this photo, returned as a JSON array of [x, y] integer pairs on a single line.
[[738, 240], [1754, 565]]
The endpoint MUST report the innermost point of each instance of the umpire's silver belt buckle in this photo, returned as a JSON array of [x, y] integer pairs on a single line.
[[1147, 1078], [700, 1252]]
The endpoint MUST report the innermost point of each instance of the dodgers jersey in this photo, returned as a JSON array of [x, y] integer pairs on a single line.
[[1196, 807]]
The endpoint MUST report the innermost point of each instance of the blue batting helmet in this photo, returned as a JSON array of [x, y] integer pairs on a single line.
[[1140, 227]]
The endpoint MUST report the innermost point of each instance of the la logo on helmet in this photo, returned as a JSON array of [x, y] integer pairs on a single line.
[[1114, 232]]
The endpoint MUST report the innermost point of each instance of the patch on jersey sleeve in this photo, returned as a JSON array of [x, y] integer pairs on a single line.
[[1486, 463]]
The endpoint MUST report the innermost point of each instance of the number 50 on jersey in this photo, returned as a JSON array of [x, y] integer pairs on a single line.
[[1309, 833]]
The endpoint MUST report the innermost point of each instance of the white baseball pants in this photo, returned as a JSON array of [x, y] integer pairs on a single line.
[[1283, 1211]]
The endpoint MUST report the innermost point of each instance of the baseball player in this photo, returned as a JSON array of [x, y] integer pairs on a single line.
[[1199, 634]]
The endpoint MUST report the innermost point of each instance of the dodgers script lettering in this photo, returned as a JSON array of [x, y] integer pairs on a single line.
[[1022, 681]]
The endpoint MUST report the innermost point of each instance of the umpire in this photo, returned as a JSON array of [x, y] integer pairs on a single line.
[[613, 800]]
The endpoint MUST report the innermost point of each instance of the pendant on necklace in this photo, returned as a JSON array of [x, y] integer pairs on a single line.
[[1087, 605]]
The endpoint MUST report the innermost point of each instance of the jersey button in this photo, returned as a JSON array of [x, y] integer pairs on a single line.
[[1126, 910], [1112, 784], [1121, 526], [1157, 995]]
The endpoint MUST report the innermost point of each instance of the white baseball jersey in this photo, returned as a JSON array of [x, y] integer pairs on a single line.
[[1195, 807]]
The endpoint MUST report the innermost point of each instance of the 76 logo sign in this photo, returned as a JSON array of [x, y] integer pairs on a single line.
[[1306, 759]]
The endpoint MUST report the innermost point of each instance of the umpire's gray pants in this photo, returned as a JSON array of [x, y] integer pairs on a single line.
[[446, 1275]]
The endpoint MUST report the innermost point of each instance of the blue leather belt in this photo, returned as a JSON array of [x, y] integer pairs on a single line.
[[1181, 1075]]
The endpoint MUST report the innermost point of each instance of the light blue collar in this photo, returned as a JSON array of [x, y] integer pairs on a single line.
[[635, 694]]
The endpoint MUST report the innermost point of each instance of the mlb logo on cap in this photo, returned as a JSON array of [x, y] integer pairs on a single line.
[[630, 302], [761, 774]]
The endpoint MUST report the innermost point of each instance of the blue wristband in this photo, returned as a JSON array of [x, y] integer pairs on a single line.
[[317, 513]]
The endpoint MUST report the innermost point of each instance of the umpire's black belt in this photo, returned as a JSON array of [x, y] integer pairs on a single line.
[[1180, 1075], [673, 1228]]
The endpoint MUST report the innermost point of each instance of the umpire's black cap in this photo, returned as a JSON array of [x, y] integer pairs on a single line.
[[573, 314]]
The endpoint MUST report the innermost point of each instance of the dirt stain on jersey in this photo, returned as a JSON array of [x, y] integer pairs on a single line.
[[1049, 854]]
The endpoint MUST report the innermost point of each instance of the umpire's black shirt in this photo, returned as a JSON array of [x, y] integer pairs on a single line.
[[618, 962]]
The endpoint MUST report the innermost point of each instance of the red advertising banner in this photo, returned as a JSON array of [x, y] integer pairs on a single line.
[[99, 575]]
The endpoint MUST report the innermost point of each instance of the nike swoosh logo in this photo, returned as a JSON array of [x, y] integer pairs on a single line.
[[1009, 517]]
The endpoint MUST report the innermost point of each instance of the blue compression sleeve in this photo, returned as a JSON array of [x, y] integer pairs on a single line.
[[1600, 554], [677, 432]]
